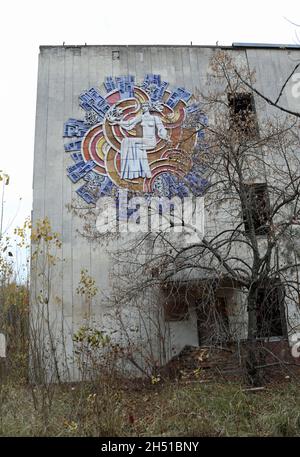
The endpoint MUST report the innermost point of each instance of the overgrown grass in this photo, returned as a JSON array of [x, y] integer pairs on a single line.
[[192, 409]]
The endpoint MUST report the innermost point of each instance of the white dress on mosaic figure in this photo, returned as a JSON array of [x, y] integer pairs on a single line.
[[134, 160]]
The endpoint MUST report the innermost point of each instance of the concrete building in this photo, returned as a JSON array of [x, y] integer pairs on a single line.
[[105, 119]]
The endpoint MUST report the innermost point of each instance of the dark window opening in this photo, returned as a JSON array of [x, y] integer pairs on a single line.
[[176, 305], [242, 113], [115, 55], [270, 312], [256, 208], [212, 320]]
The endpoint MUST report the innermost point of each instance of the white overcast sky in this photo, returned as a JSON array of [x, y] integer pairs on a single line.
[[26, 24]]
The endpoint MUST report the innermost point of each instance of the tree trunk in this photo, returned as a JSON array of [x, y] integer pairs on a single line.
[[253, 374]]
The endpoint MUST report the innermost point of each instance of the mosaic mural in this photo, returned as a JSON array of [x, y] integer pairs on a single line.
[[136, 137]]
